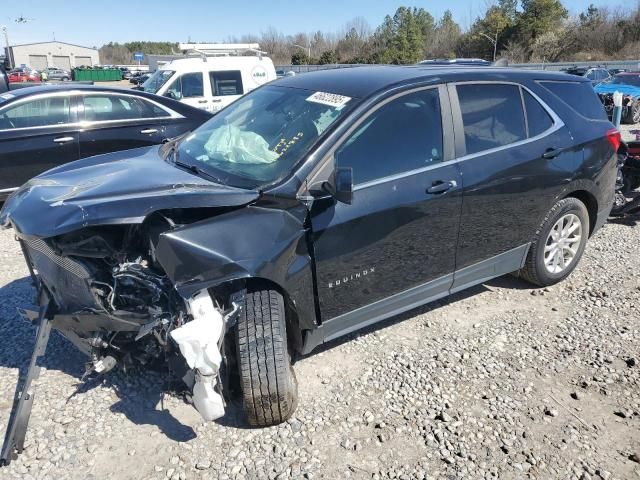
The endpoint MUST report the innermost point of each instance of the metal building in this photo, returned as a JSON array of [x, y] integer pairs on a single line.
[[51, 54]]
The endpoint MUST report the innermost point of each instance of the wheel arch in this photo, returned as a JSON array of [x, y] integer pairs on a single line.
[[294, 331], [590, 202]]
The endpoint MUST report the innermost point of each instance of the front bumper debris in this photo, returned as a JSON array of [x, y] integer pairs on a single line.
[[25, 391]]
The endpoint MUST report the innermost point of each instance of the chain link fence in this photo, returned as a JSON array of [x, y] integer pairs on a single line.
[[632, 65]]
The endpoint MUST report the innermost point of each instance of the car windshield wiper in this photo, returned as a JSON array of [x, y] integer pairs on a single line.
[[195, 169]]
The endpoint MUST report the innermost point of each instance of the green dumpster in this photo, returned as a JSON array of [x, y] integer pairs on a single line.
[[97, 75]]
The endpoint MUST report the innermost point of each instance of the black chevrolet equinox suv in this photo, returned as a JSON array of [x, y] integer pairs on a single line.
[[309, 208]]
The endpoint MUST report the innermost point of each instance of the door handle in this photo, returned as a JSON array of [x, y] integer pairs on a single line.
[[149, 130], [550, 153], [202, 101], [216, 100], [64, 139], [441, 187]]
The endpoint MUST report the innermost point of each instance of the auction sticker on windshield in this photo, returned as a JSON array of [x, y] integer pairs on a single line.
[[331, 99]]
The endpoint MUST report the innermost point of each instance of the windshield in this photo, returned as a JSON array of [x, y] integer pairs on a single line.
[[625, 80], [258, 139], [157, 80]]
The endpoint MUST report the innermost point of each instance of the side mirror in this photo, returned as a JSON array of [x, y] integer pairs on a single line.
[[342, 186]]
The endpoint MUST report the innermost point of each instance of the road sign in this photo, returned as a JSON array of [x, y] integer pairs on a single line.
[[138, 56]]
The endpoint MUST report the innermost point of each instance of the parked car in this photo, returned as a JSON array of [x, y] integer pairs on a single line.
[[45, 126], [628, 84], [126, 73], [594, 74], [135, 77], [24, 74], [310, 208], [61, 74], [210, 83], [615, 71], [140, 79]]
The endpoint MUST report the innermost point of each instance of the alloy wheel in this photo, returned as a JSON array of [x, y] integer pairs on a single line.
[[563, 243]]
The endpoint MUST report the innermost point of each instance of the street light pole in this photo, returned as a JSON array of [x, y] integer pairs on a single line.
[[494, 41], [305, 48], [6, 41]]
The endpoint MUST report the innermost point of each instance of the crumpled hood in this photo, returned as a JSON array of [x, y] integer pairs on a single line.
[[624, 89], [116, 188]]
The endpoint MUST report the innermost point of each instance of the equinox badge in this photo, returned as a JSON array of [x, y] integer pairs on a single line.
[[353, 276]]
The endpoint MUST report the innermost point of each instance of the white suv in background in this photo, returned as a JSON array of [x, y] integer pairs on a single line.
[[210, 83]]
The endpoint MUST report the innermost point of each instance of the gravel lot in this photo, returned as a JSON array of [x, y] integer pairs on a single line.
[[502, 381]]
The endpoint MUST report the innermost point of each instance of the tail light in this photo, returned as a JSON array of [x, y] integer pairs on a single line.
[[615, 139]]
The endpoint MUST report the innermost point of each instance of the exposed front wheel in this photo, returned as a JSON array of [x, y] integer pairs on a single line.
[[558, 243], [269, 388]]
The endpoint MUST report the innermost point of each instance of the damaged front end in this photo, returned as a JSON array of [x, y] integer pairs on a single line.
[[105, 291]]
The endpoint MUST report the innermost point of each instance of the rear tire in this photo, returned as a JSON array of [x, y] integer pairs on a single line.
[[269, 388], [545, 264]]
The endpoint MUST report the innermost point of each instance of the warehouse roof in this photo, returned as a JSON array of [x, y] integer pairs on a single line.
[[52, 41]]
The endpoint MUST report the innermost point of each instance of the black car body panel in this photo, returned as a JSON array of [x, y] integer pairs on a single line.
[[123, 187], [340, 266], [283, 259], [28, 148]]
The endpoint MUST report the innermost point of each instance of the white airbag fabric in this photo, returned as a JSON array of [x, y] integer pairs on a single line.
[[198, 343], [239, 146]]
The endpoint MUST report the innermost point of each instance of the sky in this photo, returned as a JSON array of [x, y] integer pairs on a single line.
[[95, 22]]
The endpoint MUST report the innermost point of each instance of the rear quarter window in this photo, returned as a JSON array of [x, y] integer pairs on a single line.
[[578, 95]]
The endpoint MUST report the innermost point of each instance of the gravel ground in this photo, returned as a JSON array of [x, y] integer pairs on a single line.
[[502, 381]]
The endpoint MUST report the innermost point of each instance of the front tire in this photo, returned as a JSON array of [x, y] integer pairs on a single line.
[[558, 243], [269, 387]]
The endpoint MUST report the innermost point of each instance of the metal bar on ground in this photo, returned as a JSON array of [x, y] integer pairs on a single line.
[[23, 399]]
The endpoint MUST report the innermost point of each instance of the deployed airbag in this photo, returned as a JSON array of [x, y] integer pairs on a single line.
[[198, 343], [239, 146]]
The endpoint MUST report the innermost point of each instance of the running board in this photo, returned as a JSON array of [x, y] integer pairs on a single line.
[[23, 398]]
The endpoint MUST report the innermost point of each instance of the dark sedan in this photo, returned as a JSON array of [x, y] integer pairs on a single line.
[[46, 126]]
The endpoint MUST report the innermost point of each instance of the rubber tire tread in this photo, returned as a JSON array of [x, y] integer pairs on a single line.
[[268, 383], [534, 271], [628, 118]]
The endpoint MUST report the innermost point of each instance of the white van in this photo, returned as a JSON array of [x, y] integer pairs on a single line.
[[210, 83]]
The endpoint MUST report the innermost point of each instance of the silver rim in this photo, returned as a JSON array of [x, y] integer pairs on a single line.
[[562, 243]]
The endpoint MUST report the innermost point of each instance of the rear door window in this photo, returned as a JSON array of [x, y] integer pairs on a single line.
[[492, 115], [226, 83], [101, 108], [578, 95], [42, 112], [402, 135], [187, 85], [538, 120]]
